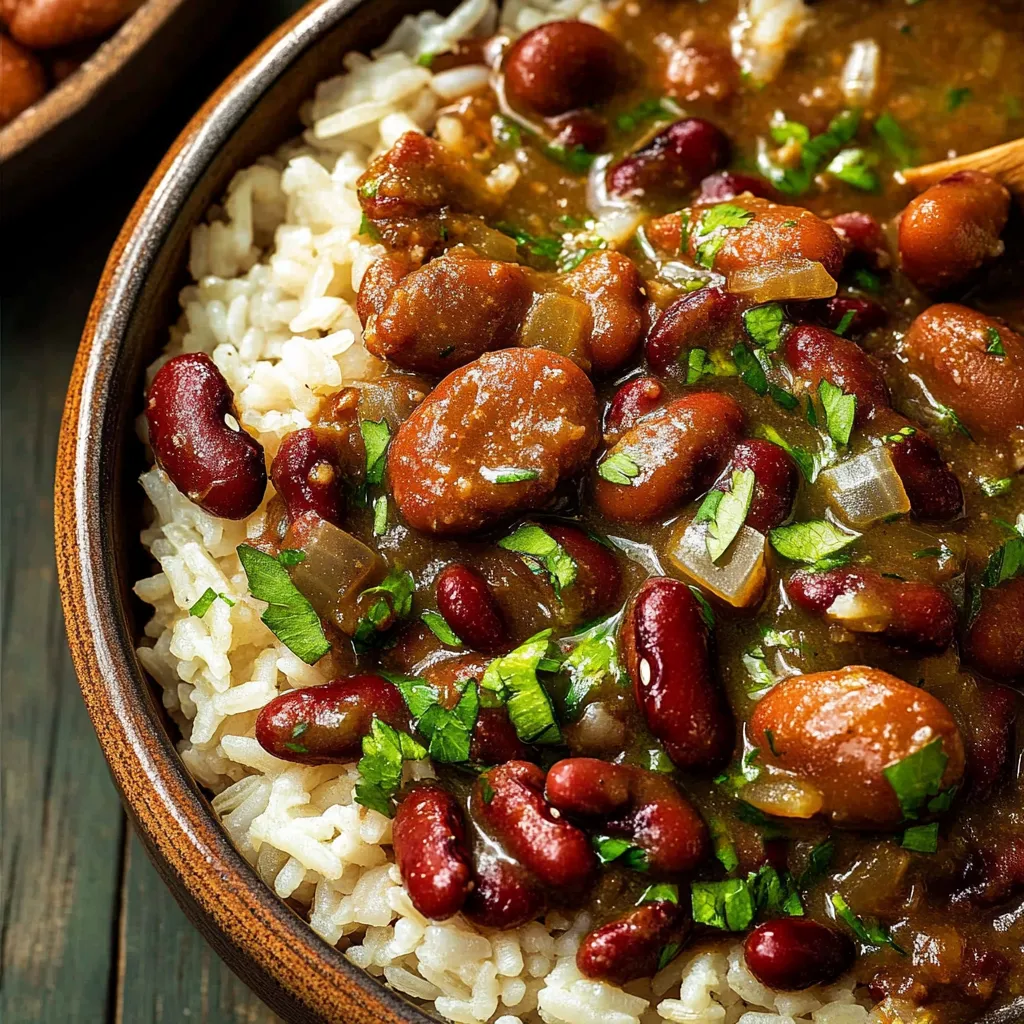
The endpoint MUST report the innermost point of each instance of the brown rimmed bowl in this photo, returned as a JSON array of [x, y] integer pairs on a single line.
[[98, 504]]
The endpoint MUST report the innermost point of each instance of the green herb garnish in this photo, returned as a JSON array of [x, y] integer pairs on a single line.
[[840, 411], [205, 602], [438, 625], [610, 849], [921, 838], [513, 678], [380, 767], [542, 554], [618, 468], [810, 541], [376, 438]]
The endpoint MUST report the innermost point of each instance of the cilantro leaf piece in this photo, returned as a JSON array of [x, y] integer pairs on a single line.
[[818, 862], [764, 325], [840, 410], [889, 131], [868, 930], [783, 131], [661, 892], [995, 342], [376, 438], [710, 232], [514, 678], [762, 677], [368, 228], [867, 281], [575, 158], [728, 905], [921, 838], [996, 488], [644, 111], [950, 420], [289, 615], [810, 541], [709, 506], [809, 463], [417, 694], [438, 625], [751, 371], [844, 324], [667, 954], [393, 602], [291, 556], [815, 151], [594, 659], [508, 474], [450, 732], [707, 613], [380, 516], [506, 132], [543, 554], [730, 514], [205, 602], [957, 97], [610, 849], [618, 468], [918, 777], [775, 894], [380, 767], [546, 247], [725, 851], [854, 167]]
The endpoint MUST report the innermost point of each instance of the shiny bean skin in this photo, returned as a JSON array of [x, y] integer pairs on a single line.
[[709, 317], [644, 806], [775, 482], [308, 473], [24, 79], [906, 613], [562, 66], [995, 640], [699, 68], [514, 808], [672, 162], [215, 464], [666, 645], [634, 400], [42, 24], [468, 606], [380, 279], [815, 354], [866, 314], [725, 185], [991, 736], [952, 228], [630, 947], [612, 288], [505, 895], [839, 730], [947, 347], [326, 724], [595, 591], [863, 240], [449, 312], [429, 840], [795, 953], [519, 408], [579, 128], [494, 738]]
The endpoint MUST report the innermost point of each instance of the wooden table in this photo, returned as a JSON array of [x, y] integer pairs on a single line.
[[90, 934]]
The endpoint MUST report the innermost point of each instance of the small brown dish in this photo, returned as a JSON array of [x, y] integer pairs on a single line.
[[98, 507]]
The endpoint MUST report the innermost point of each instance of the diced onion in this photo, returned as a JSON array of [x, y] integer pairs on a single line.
[[782, 280], [450, 85], [861, 612], [561, 324], [738, 579], [617, 219], [598, 733], [764, 33], [784, 796], [486, 241], [860, 73], [866, 488]]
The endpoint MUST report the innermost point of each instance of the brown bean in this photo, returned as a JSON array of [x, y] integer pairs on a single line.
[[840, 730], [579, 128], [863, 239], [668, 457], [23, 76], [468, 606], [380, 279], [505, 894], [991, 736], [666, 644], [429, 839], [309, 470], [326, 724], [950, 348], [630, 404], [631, 947], [717, 188], [644, 806], [707, 318], [562, 66], [208, 456], [698, 67], [494, 738], [450, 312], [775, 482], [612, 288], [952, 228], [41, 24], [595, 590], [860, 315], [512, 805], [796, 953], [816, 354], [906, 613], [995, 641], [524, 410]]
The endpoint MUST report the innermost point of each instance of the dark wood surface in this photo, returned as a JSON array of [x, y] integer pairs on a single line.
[[89, 932]]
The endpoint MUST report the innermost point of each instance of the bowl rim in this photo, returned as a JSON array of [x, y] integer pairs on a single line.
[[271, 947]]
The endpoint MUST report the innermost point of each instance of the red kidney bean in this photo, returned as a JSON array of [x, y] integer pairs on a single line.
[[816, 354], [995, 640], [634, 400], [43, 24], [673, 161], [708, 318], [775, 481], [994, 873], [630, 947], [952, 228], [677, 453], [218, 466], [595, 591], [612, 288], [447, 676], [932, 487], [645, 806], [468, 606], [991, 736], [666, 644], [866, 314], [326, 724], [579, 128], [524, 409], [514, 808], [840, 730], [905, 613], [380, 279], [494, 738], [23, 76], [699, 68], [562, 66], [796, 953], [431, 852], [505, 895], [717, 188], [948, 345], [863, 239], [308, 473]]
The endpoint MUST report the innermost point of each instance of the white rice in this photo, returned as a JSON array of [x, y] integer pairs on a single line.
[[276, 271]]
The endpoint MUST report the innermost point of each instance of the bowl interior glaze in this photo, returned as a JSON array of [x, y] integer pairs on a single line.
[[99, 509]]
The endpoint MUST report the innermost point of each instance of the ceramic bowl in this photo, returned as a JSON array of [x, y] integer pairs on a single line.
[[98, 515]]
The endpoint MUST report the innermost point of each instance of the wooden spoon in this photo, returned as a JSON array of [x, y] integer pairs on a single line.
[[1005, 162]]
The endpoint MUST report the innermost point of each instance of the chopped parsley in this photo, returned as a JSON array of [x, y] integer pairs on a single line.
[[289, 615], [994, 488], [205, 602], [815, 152], [810, 541], [725, 851], [854, 168], [710, 232], [380, 516], [291, 556], [393, 601], [380, 767], [995, 342], [508, 474], [891, 133], [921, 838], [867, 930], [450, 731], [819, 860], [594, 659], [810, 464], [730, 513], [513, 678], [949, 419], [867, 281], [376, 438], [644, 111], [618, 468], [844, 324], [917, 779], [661, 892], [732, 904], [840, 410], [957, 97], [750, 368], [610, 849], [543, 555], [369, 229], [546, 247], [437, 625], [764, 325]]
